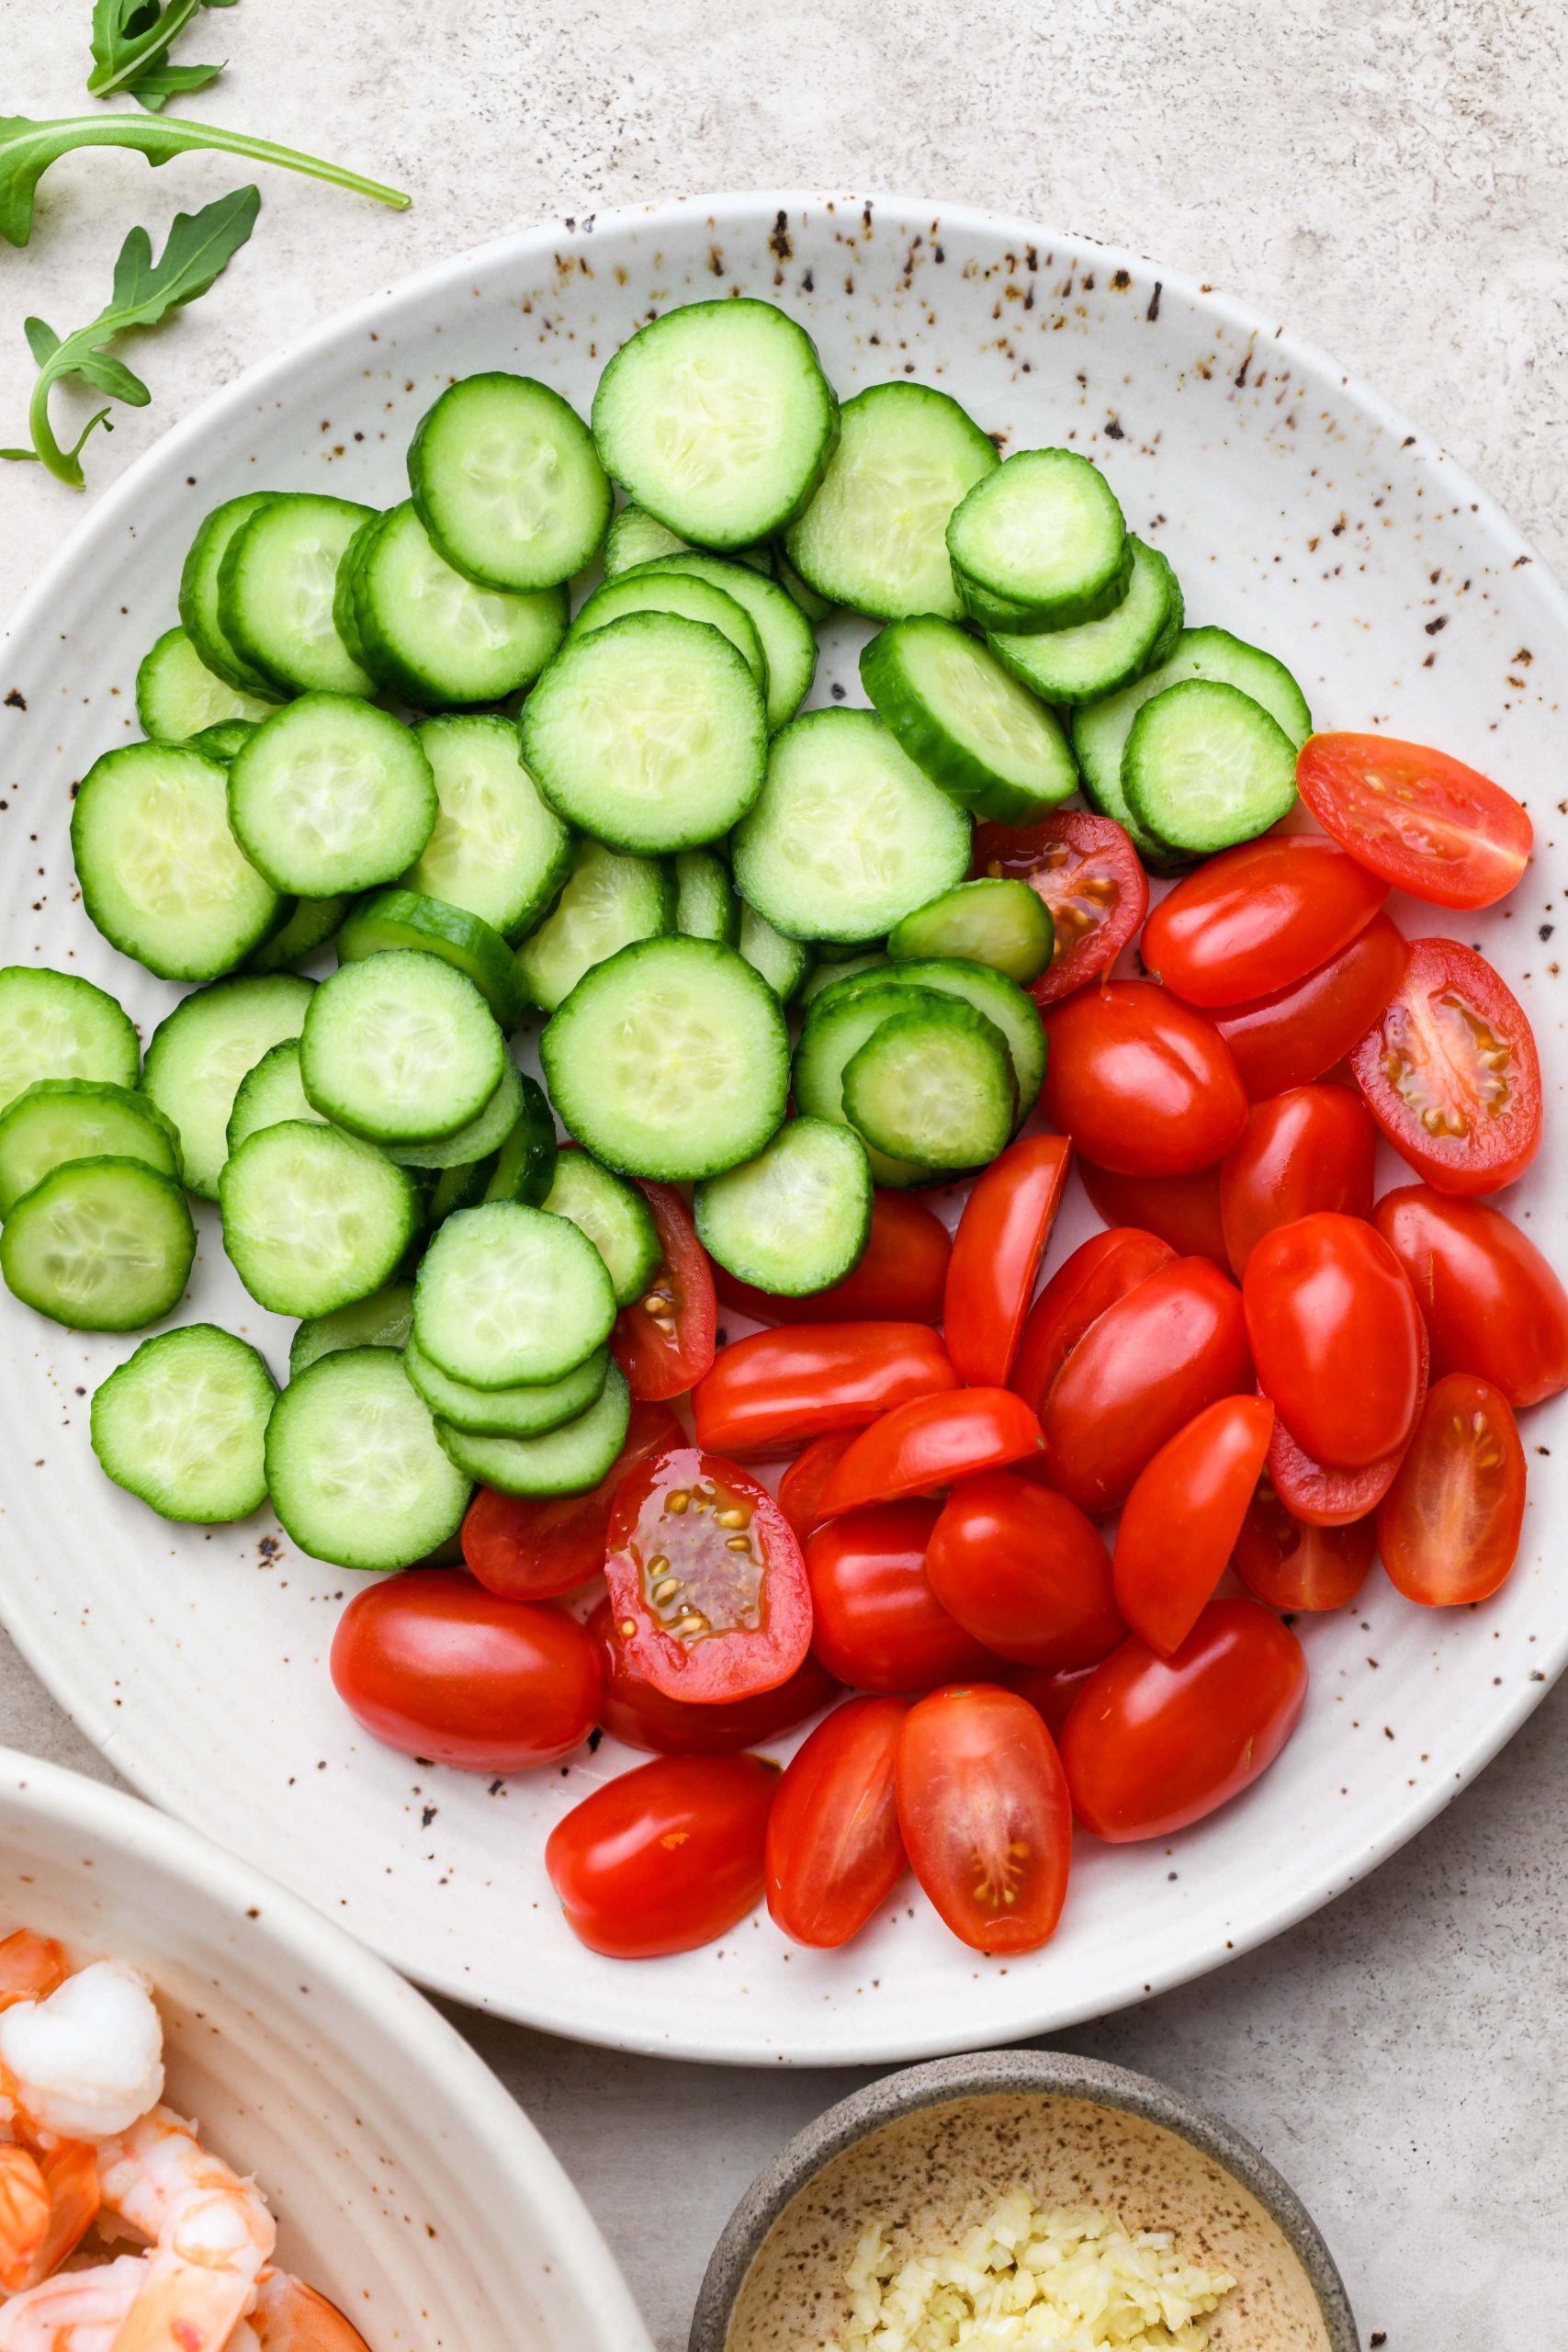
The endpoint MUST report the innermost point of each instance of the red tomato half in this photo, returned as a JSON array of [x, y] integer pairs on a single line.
[[835, 1852], [1088, 873], [432, 1663], [1024, 1571], [664, 1341], [1449, 1527], [879, 1626], [1179, 1524], [1292, 1036], [667, 1857], [983, 1806], [997, 1251], [1336, 1336], [1099, 1271], [1419, 818], [1154, 1743], [1312, 1148], [933, 1442], [802, 1486], [1258, 918], [1141, 1082], [1493, 1304], [899, 1280], [533, 1551], [1184, 1211], [634, 1712], [1291, 1564], [1449, 1071], [775, 1389]]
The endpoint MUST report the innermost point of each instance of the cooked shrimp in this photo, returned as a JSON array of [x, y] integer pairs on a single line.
[[24, 2218], [30, 1966], [291, 2317], [208, 2231], [83, 2062], [81, 2310]]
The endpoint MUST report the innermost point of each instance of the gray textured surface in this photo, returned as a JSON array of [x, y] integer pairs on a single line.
[[1391, 182]]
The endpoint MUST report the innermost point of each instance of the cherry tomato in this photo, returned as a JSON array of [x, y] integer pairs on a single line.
[[1156, 1358], [1312, 1148], [1156, 1743], [1292, 1565], [1050, 1693], [664, 1341], [1325, 1498], [706, 1580], [835, 1852], [1292, 1036], [1179, 1524], [667, 1857], [879, 1626], [1449, 1071], [634, 1712], [775, 1389], [432, 1663], [932, 1442], [1258, 918], [533, 1551], [1335, 1335], [803, 1484], [1025, 1572], [996, 1250], [1142, 1083], [1099, 1271], [983, 1806], [1449, 1527], [1419, 819], [1091, 877], [1184, 1211], [899, 1280], [1493, 1304]]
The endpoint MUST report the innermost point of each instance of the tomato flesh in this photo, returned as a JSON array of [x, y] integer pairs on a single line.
[[1099, 1271], [983, 1806], [835, 1851], [536, 1551], [1024, 1571], [1492, 1304], [664, 1341], [1312, 1148], [1142, 1083], [1337, 1338], [775, 1389], [1417, 818], [899, 1279], [1179, 1524], [1449, 1527], [996, 1250], [933, 1442], [1088, 872], [665, 1858], [1291, 1564], [1293, 1035], [1184, 1211], [1258, 918], [879, 1626], [1449, 1071], [634, 1712]]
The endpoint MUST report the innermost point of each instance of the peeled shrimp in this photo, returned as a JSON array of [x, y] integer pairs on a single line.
[[80, 2310], [30, 1966], [291, 2317], [84, 2060]]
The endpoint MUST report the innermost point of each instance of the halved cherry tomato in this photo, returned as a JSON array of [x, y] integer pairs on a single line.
[[1091, 877], [1184, 1211], [1258, 918], [1154, 1743], [879, 1626], [535, 1551], [1419, 818], [667, 1857], [634, 1712], [1173, 1345], [1099, 1271], [706, 1580], [1292, 1036], [1291, 1564], [775, 1389], [1336, 1336], [932, 1442], [1449, 1072], [432, 1663], [1493, 1304], [1024, 1571], [899, 1280], [834, 1852], [1050, 1694], [983, 1806], [1449, 1527], [1142, 1083], [802, 1486], [664, 1341], [1312, 1148], [1179, 1524], [996, 1250]]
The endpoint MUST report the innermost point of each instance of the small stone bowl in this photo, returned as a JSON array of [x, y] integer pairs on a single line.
[[928, 2151]]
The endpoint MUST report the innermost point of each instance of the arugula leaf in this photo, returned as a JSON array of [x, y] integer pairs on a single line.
[[130, 40], [199, 247], [27, 149]]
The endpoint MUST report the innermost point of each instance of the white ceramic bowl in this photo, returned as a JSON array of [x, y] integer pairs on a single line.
[[1300, 511], [407, 2185]]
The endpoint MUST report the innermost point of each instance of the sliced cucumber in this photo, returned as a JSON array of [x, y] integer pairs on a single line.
[[569, 1460], [201, 1052], [199, 594], [400, 1048], [1206, 767], [331, 794], [934, 1084], [826, 975], [54, 1024], [276, 581], [311, 925], [270, 1093], [834, 1034], [816, 608], [345, 619], [436, 638], [179, 696], [705, 903], [990, 992], [353, 1466], [498, 848], [783, 963], [479, 1140], [101, 1245], [382, 1320], [614, 1217], [57, 1120], [314, 1219], [526, 1165], [508, 1412], [451, 1189], [637, 537], [995, 922], [162, 873], [677, 592], [797, 1217], [225, 740], [410, 919], [183, 1425], [1098, 658], [1040, 544], [511, 1297], [782, 629], [987, 742], [506, 481], [608, 903]]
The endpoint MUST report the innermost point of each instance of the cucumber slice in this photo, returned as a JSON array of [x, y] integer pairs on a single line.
[[179, 696], [1040, 544], [718, 420], [609, 902], [614, 1217], [637, 537], [410, 919], [705, 903], [57, 1120], [331, 795], [854, 967], [874, 536], [832, 1036], [452, 1189], [511, 1297], [314, 1219], [479, 1140], [797, 1217], [201, 1052], [990, 992], [816, 608], [225, 740], [199, 594], [650, 734], [270, 1093], [848, 835], [508, 1412], [569, 1460], [505, 478], [995, 922], [498, 848], [1098, 658], [677, 592], [277, 583], [785, 634], [101, 1245], [526, 1165], [783, 963], [400, 1048], [163, 876], [382, 1320], [990, 744], [355, 1469], [436, 638], [1206, 767], [934, 1084], [311, 925], [55, 1025], [345, 619], [670, 1061], [183, 1425]]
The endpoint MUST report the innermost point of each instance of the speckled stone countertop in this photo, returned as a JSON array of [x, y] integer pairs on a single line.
[[1392, 183]]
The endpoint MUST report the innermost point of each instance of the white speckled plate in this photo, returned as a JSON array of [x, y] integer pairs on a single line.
[[1299, 511]]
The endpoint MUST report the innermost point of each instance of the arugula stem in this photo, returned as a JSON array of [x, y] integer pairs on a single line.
[[65, 465], [104, 80], [161, 136]]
